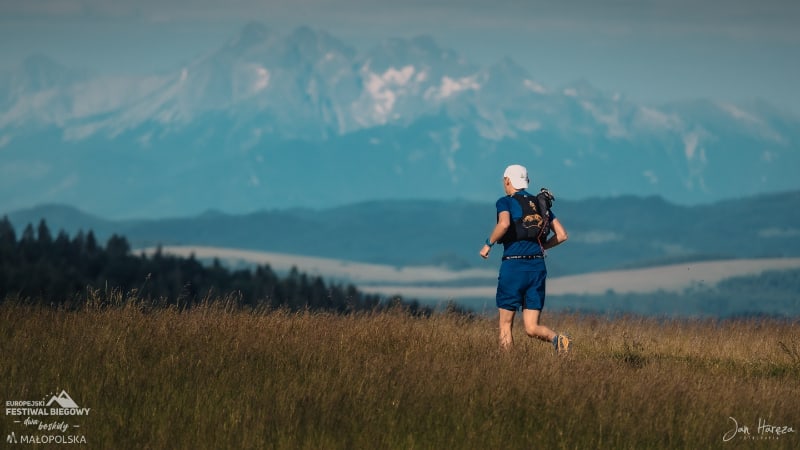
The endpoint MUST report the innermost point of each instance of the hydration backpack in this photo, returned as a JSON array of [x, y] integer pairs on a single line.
[[534, 225]]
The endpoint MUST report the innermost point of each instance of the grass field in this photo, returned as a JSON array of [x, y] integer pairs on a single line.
[[215, 377]]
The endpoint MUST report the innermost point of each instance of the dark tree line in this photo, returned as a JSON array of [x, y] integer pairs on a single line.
[[67, 271]]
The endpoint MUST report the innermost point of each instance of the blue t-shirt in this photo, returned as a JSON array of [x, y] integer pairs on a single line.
[[518, 248]]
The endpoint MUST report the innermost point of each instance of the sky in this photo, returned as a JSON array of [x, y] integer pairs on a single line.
[[651, 51]]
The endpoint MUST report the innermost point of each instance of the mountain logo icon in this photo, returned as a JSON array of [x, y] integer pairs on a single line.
[[64, 400]]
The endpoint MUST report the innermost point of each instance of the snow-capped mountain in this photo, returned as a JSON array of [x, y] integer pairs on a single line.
[[267, 118]]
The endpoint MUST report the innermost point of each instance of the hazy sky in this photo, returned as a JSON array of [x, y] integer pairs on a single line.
[[649, 50]]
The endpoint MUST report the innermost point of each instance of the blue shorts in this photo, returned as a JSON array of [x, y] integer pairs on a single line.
[[521, 285]]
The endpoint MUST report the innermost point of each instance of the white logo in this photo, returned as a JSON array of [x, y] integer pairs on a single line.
[[53, 421], [63, 400]]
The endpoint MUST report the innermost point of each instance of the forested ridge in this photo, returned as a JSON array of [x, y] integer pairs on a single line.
[[70, 270], [605, 233]]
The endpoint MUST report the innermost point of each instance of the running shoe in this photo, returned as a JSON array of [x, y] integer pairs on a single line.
[[563, 344]]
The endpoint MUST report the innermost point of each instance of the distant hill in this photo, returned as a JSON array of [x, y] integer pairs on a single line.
[[605, 233]]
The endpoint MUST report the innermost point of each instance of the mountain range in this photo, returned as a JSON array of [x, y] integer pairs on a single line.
[[305, 120], [605, 233]]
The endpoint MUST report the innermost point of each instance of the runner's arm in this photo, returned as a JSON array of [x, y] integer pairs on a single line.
[[503, 222], [559, 236]]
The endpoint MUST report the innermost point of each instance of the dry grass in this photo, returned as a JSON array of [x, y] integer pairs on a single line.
[[212, 378]]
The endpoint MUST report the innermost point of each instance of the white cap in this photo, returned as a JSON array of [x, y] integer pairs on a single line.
[[518, 175]]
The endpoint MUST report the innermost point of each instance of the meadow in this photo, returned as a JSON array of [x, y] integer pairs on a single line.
[[217, 377]]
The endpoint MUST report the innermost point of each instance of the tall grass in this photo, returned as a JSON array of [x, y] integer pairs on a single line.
[[215, 377]]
